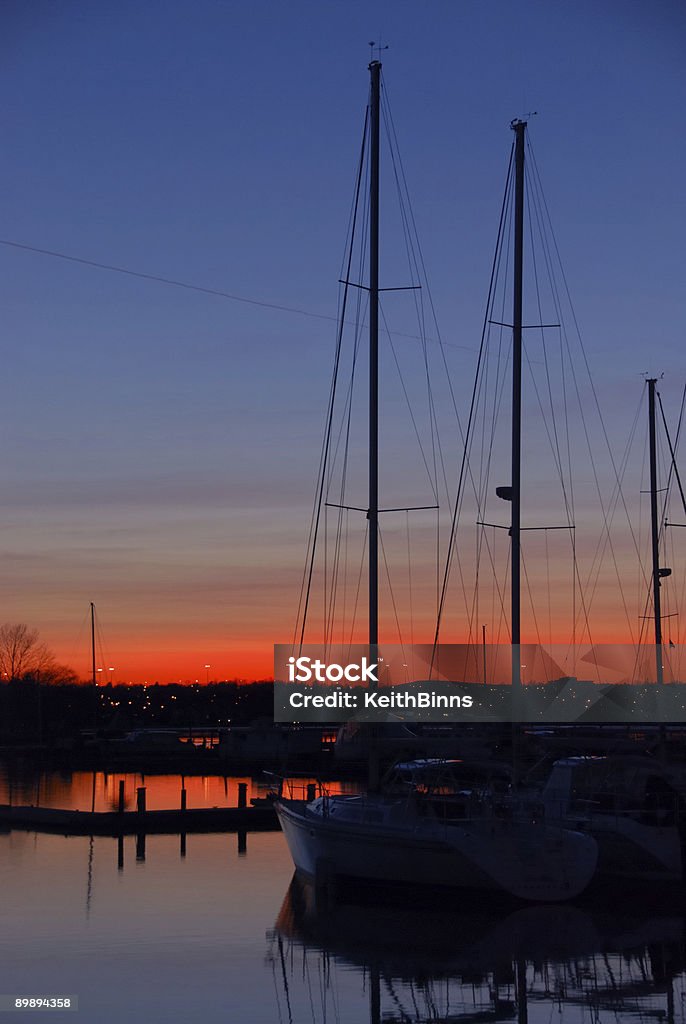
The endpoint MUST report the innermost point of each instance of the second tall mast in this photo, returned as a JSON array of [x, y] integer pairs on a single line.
[[519, 128]]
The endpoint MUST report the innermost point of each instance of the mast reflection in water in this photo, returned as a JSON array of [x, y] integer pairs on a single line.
[[542, 963]]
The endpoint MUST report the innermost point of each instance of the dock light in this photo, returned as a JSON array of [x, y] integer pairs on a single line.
[[207, 677]]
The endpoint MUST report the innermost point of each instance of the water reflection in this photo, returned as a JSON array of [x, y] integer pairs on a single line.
[[180, 938], [163, 940], [26, 783], [442, 965]]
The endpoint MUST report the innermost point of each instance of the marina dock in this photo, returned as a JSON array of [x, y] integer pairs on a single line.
[[119, 823]]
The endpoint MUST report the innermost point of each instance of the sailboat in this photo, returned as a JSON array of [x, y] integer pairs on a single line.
[[432, 822], [634, 806]]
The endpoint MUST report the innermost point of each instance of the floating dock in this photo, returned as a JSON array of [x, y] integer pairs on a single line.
[[119, 823]]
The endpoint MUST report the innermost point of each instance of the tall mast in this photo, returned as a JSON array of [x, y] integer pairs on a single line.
[[519, 128], [373, 512], [655, 529]]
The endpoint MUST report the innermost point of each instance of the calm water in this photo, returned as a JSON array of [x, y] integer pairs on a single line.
[[83, 791], [222, 936]]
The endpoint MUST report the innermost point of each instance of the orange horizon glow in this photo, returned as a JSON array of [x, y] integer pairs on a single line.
[[185, 665], [175, 629]]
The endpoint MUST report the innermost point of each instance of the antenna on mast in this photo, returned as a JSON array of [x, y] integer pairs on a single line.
[[379, 49]]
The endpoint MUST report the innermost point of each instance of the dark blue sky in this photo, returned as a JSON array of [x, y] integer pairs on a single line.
[[159, 445]]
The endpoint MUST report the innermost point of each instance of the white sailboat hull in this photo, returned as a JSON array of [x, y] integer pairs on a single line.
[[519, 859]]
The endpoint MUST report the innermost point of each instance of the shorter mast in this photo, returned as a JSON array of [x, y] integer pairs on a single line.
[[655, 531], [95, 679], [95, 690]]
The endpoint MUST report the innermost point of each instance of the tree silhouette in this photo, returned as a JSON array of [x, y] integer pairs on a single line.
[[21, 651]]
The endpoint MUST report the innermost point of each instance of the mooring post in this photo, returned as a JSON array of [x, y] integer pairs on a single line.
[[183, 844], [140, 846], [120, 852], [242, 794], [183, 799], [311, 791], [242, 842], [140, 794], [120, 807]]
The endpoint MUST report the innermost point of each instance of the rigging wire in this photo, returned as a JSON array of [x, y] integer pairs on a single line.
[[306, 586], [531, 597], [432, 480], [470, 421], [392, 595], [417, 269], [501, 377], [330, 592], [593, 577], [359, 586], [100, 644], [347, 421], [203, 289], [552, 435], [411, 237], [409, 577], [554, 440], [421, 265], [558, 261], [672, 448], [538, 201], [464, 439]]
